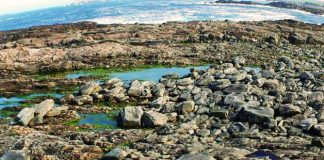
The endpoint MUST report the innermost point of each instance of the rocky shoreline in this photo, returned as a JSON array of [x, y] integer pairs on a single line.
[[229, 111], [311, 8]]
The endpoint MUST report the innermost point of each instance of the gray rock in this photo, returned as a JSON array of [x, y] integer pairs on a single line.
[[237, 88], [307, 124], [196, 156], [89, 88], [114, 82], [25, 116], [56, 111], [159, 102], [256, 114], [185, 82], [234, 100], [130, 116], [115, 154], [319, 128], [187, 106], [288, 110], [271, 84], [15, 155], [219, 84], [205, 81], [238, 61], [136, 89], [153, 119], [218, 112], [159, 90], [237, 127], [306, 76]]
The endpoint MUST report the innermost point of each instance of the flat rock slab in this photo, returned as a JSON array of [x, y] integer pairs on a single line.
[[256, 114]]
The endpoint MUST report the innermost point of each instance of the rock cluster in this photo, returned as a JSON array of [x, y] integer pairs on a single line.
[[36, 114]]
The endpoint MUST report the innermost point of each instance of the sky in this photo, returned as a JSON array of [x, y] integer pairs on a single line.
[[14, 6]]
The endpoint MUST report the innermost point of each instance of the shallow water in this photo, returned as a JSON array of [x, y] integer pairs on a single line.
[[100, 119], [150, 74], [19, 100], [148, 11]]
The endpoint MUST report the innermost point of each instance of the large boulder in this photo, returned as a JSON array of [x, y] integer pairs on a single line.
[[15, 155], [152, 119], [256, 114], [130, 116], [89, 88], [25, 116]]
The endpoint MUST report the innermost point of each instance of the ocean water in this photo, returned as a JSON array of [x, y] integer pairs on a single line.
[[149, 11]]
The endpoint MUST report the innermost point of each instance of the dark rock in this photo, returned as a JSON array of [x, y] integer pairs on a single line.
[[255, 114]]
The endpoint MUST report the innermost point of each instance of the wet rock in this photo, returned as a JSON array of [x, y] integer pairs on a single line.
[[130, 116], [25, 116], [89, 88], [115, 154], [15, 155], [153, 119], [196, 156], [256, 114]]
